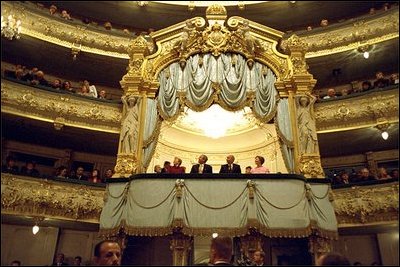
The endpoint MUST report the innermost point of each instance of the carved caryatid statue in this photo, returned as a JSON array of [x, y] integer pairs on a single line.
[[129, 127], [306, 125]]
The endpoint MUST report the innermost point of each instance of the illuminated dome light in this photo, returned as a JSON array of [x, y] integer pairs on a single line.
[[215, 122], [385, 135], [35, 229], [208, 3], [366, 54]]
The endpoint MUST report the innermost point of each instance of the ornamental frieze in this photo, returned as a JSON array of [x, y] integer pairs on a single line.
[[23, 100], [363, 110]]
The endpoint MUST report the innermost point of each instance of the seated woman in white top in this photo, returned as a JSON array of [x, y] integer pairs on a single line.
[[259, 160]]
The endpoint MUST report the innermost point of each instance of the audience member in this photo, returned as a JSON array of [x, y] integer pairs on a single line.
[[92, 88], [102, 94], [167, 165], [157, 169], [380, 80], [53, 9], [365, 86], [330, 259], [202, 167], [15, 263], [176, 167], [394, 79], [79, 174], [10, 166], [78, 261], [342, 178], [56, 84], [248, 170], [61, 172], [65, 15], [68, 87], [95, 177], [357, 263], [395, 174], [363, 175], [30, 75], [107, 253], [259, 161], [107, 25], [382, 174], [109, 173], [230, 167], [331, 94], [258, 258], [324, 23], [221, 251], [29, 169], [59, 260], [39, 79]]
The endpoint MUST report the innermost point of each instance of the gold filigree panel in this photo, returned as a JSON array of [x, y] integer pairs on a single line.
[[359, 32], [359, 111], [33, 197], [61, 109], [367, 204]]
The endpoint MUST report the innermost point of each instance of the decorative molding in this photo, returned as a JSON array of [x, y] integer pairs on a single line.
[[58, 108], [352, 35], [359, 111], [32, 197], [367, 204]]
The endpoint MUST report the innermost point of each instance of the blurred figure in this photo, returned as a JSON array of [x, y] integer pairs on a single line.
[[10, 166], [65, 15], [157, 169], [258, 258], [102, 94], [332, 259], [60, 260], [107, 253], [39, 79], [92, 88], [78, 261], [53, 9], [380, 81], [259, 168], [15, 263], [394, 79], [61, 172], [365, 86], [68, 87], [395, 174], [167, 165], [29, 169], [108, 174], [221, 251], [176, 167], [95, 177], [56, 84], [331, 94], [248, 170], [382, 174], [79, 174]]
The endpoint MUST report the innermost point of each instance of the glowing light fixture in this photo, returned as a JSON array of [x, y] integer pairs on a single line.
[[383, 127], [214, 235], [385, 135], [215, 122], [35, 229], [10, 28], [366, 54], [208, 3]]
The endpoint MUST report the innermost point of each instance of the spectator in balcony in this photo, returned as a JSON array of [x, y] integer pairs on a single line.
[[363, 175], [176, 167], [331, 94], [56, 84], [10, 166], [248, 170], [95, 177], [394, 79], [79, 175], [92, 88], [230, 167], [365, 86], [324, 23], [395, 174], [259, 161], [221, 251], [202, 167], [31, 75], [157, 169], [108, 174], [381, 81], [78, 261], [40, 80], [52, 9], [29, 169], [59, 260], [15, 263], [342, 178], [102, 94], [331, 259], [65, 15], [107, 253], [166, 167], [68, 87], [108, 25], [61, 172], [382, 174], [84, 91]]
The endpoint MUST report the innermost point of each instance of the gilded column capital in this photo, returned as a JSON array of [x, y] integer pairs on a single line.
[[126, 165], [294, 44], [310, 166]]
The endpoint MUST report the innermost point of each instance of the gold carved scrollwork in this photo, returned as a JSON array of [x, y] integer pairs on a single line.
[[126, 165], [310, 166]]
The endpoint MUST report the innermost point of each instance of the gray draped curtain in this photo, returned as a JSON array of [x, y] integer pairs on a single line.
[[284, 130], [151, 131]]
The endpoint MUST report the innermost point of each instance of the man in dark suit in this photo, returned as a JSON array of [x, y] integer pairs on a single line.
[[230, 167], [221, 251], [202, 167]]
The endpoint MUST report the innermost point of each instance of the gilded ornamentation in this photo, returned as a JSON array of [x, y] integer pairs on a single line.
[[27, 101], [216, 11], [126, 165], [367, 204], [31, 197], [294, 44], [318, 246], [180, 246], [250, 187], [359, 111], [310, 166], [135, 66], [59, 123], [179, 184]]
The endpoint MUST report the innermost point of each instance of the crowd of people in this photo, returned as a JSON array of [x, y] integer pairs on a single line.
[[61, 172], [203, 167], [380, 82], [363, 175], [35, 76]]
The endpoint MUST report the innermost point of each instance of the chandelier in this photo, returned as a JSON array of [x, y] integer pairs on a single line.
[[11, 27]]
